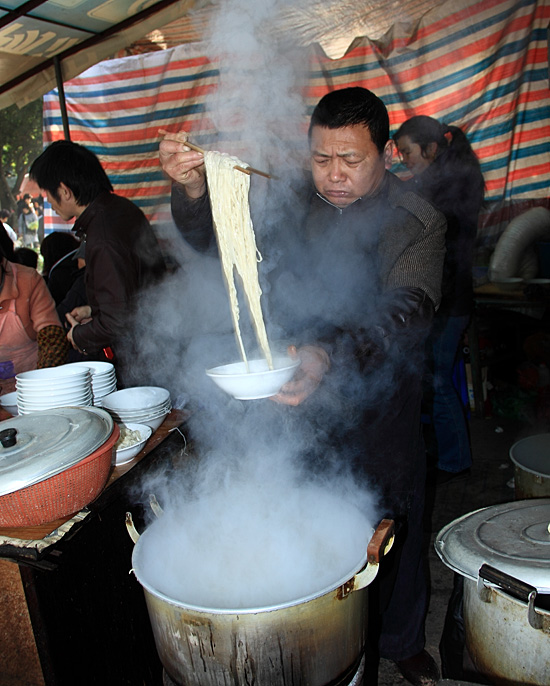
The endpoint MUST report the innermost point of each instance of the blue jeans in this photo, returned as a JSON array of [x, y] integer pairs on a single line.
[[448, 415]]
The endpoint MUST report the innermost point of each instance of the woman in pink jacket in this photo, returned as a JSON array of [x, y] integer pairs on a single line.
[[31, 335]]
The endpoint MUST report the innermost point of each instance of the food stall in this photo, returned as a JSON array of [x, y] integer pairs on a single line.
[[72, 612]]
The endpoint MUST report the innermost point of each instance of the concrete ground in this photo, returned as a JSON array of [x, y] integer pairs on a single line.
[[489, 483]]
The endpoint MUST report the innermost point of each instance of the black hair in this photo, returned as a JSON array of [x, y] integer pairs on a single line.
[[55, 246], [26, 256], [352, 107], [6, 244], [75, 166], [424, 130]]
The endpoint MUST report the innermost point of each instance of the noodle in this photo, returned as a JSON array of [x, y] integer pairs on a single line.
[[228, 190]]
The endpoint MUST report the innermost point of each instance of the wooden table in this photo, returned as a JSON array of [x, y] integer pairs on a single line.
[[72, 612]]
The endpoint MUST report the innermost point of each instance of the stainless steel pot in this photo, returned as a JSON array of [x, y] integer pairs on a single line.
[[503, 553], [315, 641], [531, 458]]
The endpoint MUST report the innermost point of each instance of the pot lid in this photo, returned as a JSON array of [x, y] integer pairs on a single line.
[[512, 537], [36, 446]]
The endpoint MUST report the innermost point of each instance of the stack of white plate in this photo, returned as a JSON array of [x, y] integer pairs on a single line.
[[103, 378], [139, 405], [43, 389]]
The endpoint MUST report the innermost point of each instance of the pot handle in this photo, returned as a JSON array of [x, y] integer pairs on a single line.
[[513, 587], [157, 510], [132, 531], [379, 545]]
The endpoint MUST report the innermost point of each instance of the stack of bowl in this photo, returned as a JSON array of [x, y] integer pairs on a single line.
[[103, 378], [139, 405], [43, 389]]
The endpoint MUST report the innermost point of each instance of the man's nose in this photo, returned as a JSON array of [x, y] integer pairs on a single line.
[[336, 171]]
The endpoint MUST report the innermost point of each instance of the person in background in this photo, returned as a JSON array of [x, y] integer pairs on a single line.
[[4, 218], [446, 172], [28, 223], [38, 205], [26, 256], [75, 297], [122, 253], [31, 336], [356, 224], [60, 269]]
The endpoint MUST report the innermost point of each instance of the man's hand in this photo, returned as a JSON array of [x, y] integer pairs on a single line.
[[314, 364], [183, 165], [80, 315]]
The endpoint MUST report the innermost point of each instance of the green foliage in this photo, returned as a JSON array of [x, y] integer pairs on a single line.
[[20, 143]]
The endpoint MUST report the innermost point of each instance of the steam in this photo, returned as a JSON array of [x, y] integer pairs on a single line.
[[269, 501]]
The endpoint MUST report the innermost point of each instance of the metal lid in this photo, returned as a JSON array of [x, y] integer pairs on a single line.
[[48, 442], [513, 538]]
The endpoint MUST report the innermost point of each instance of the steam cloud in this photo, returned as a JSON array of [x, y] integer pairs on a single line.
[[264, 476]]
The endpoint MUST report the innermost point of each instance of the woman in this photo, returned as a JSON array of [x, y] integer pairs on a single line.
[[446, 172], [60, 268], [31, 335]]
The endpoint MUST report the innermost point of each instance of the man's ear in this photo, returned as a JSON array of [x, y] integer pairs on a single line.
[[64, 191], [388, 154]]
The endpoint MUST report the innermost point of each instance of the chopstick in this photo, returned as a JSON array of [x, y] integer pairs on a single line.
[[245, 170]]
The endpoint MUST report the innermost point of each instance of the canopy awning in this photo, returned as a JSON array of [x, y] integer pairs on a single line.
[[46, 42], [37, 34]]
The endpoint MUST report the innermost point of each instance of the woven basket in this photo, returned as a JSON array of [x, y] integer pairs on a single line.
[[62, 494]]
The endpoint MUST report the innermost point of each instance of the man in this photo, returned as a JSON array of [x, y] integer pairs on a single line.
[[122, 254], [358, 291]]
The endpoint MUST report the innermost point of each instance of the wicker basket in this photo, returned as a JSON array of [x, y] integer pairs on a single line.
[[62, 494]]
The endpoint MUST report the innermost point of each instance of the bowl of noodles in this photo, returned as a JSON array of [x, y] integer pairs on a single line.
[[254, 379], [132, 440]]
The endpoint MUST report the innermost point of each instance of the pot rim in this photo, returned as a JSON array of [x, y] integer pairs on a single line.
[[345, 580], [543, 438]]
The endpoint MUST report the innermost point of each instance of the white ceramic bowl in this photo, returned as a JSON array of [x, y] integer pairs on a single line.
[[54, 402], [154, 423], [124, 455], [9, 402], [258, 382], [64, 373], [137, 398], [97, 367], [49, 396]]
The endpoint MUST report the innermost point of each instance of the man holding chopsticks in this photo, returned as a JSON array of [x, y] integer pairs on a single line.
[[364, 272]]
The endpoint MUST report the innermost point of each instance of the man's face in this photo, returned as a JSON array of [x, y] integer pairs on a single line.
[[346, 164], [63, 203]]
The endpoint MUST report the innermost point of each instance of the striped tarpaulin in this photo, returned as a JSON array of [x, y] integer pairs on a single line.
[[480, 65]]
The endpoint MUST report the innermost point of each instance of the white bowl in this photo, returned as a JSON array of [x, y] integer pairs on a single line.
[[64, 373], [96, 367], [154, 423], [258, 382], [40, 396], [124, 455], [9, 402], [137, 398]]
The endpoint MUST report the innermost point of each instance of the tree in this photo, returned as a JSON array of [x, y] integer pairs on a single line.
[[20, 143]]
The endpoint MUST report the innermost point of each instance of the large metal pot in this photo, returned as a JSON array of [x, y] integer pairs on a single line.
[[315, 640], [531, 458], [503, 553]]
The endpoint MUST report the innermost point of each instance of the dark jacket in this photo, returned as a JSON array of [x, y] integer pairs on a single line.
[[457, 191], [122, 258], [363, 282]]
